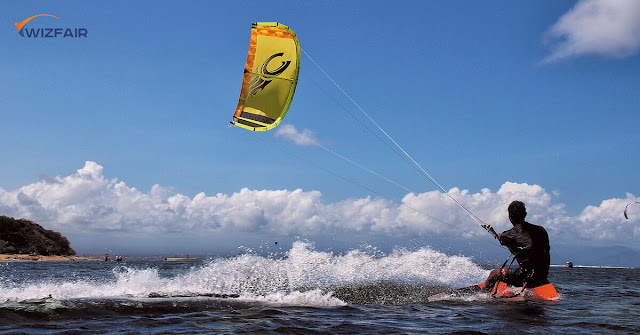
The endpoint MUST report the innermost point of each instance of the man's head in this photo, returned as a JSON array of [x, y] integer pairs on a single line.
[[517, 211]]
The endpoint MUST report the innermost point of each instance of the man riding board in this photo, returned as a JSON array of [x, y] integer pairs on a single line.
[[529, 244]]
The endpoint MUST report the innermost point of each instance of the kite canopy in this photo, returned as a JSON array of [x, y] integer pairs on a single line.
[[627, 207], [270, 77]]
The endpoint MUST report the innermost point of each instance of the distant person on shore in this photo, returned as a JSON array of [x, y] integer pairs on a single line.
[[529, 244]]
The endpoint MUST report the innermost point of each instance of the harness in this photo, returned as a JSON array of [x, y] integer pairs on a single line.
[[503, 272]]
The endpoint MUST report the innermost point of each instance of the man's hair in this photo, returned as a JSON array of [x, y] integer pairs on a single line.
[[517, 211]]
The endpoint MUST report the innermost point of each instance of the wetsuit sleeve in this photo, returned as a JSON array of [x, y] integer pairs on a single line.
[[509, 239]]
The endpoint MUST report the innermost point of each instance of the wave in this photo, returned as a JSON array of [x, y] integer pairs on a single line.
[[302, 276]]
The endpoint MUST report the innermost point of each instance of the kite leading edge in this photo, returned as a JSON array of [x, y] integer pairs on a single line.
[[627, 207], [270, 77]]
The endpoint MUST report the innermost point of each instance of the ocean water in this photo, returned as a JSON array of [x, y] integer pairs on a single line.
[[303, 291]]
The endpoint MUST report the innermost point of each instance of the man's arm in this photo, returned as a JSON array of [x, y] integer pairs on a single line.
[[488, 228]]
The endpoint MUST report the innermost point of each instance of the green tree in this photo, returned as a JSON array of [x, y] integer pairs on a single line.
[[27, 236]]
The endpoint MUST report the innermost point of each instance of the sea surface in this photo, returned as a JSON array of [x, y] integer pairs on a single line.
[[303, 291]]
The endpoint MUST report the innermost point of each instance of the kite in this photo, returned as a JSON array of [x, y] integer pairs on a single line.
[[627, 207], [270, 77]]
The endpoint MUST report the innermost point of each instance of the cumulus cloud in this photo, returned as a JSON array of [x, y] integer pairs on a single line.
[[606, 221], [609, 28], [86, 201], [301, 138]]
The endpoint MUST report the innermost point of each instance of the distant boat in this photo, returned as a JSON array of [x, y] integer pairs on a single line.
[[175, 258]]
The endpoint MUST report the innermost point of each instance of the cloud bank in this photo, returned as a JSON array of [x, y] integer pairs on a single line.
[[609, 28], [87, 202]]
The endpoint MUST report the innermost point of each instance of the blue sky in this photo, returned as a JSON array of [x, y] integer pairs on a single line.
[[523, 97]]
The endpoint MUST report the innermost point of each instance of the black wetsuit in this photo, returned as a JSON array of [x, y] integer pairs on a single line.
[[530, 245]]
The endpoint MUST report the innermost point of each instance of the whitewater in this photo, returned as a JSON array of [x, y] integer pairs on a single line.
[[302, 290]]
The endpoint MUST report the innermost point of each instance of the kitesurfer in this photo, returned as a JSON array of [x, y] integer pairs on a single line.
[[529, 244]]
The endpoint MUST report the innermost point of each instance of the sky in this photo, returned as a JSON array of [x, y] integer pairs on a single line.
[[120, 140]]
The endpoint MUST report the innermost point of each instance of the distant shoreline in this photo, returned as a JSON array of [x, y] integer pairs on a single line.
[[24, 258], [593, 266]]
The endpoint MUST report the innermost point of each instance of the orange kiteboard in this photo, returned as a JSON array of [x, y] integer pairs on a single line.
[[544, 292]]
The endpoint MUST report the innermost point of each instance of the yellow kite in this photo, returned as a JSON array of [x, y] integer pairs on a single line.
[[270, 77]]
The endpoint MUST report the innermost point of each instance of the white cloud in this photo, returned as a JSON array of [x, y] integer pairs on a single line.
[[301, 138], [606, 221], [609, 28], [87, 202]]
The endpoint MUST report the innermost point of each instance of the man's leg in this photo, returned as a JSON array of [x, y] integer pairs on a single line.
[[494, 277]]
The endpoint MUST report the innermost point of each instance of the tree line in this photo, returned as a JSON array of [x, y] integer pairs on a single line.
[[25, 236]]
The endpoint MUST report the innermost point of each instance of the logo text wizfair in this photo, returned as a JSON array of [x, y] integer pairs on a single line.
[[54, 32]]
